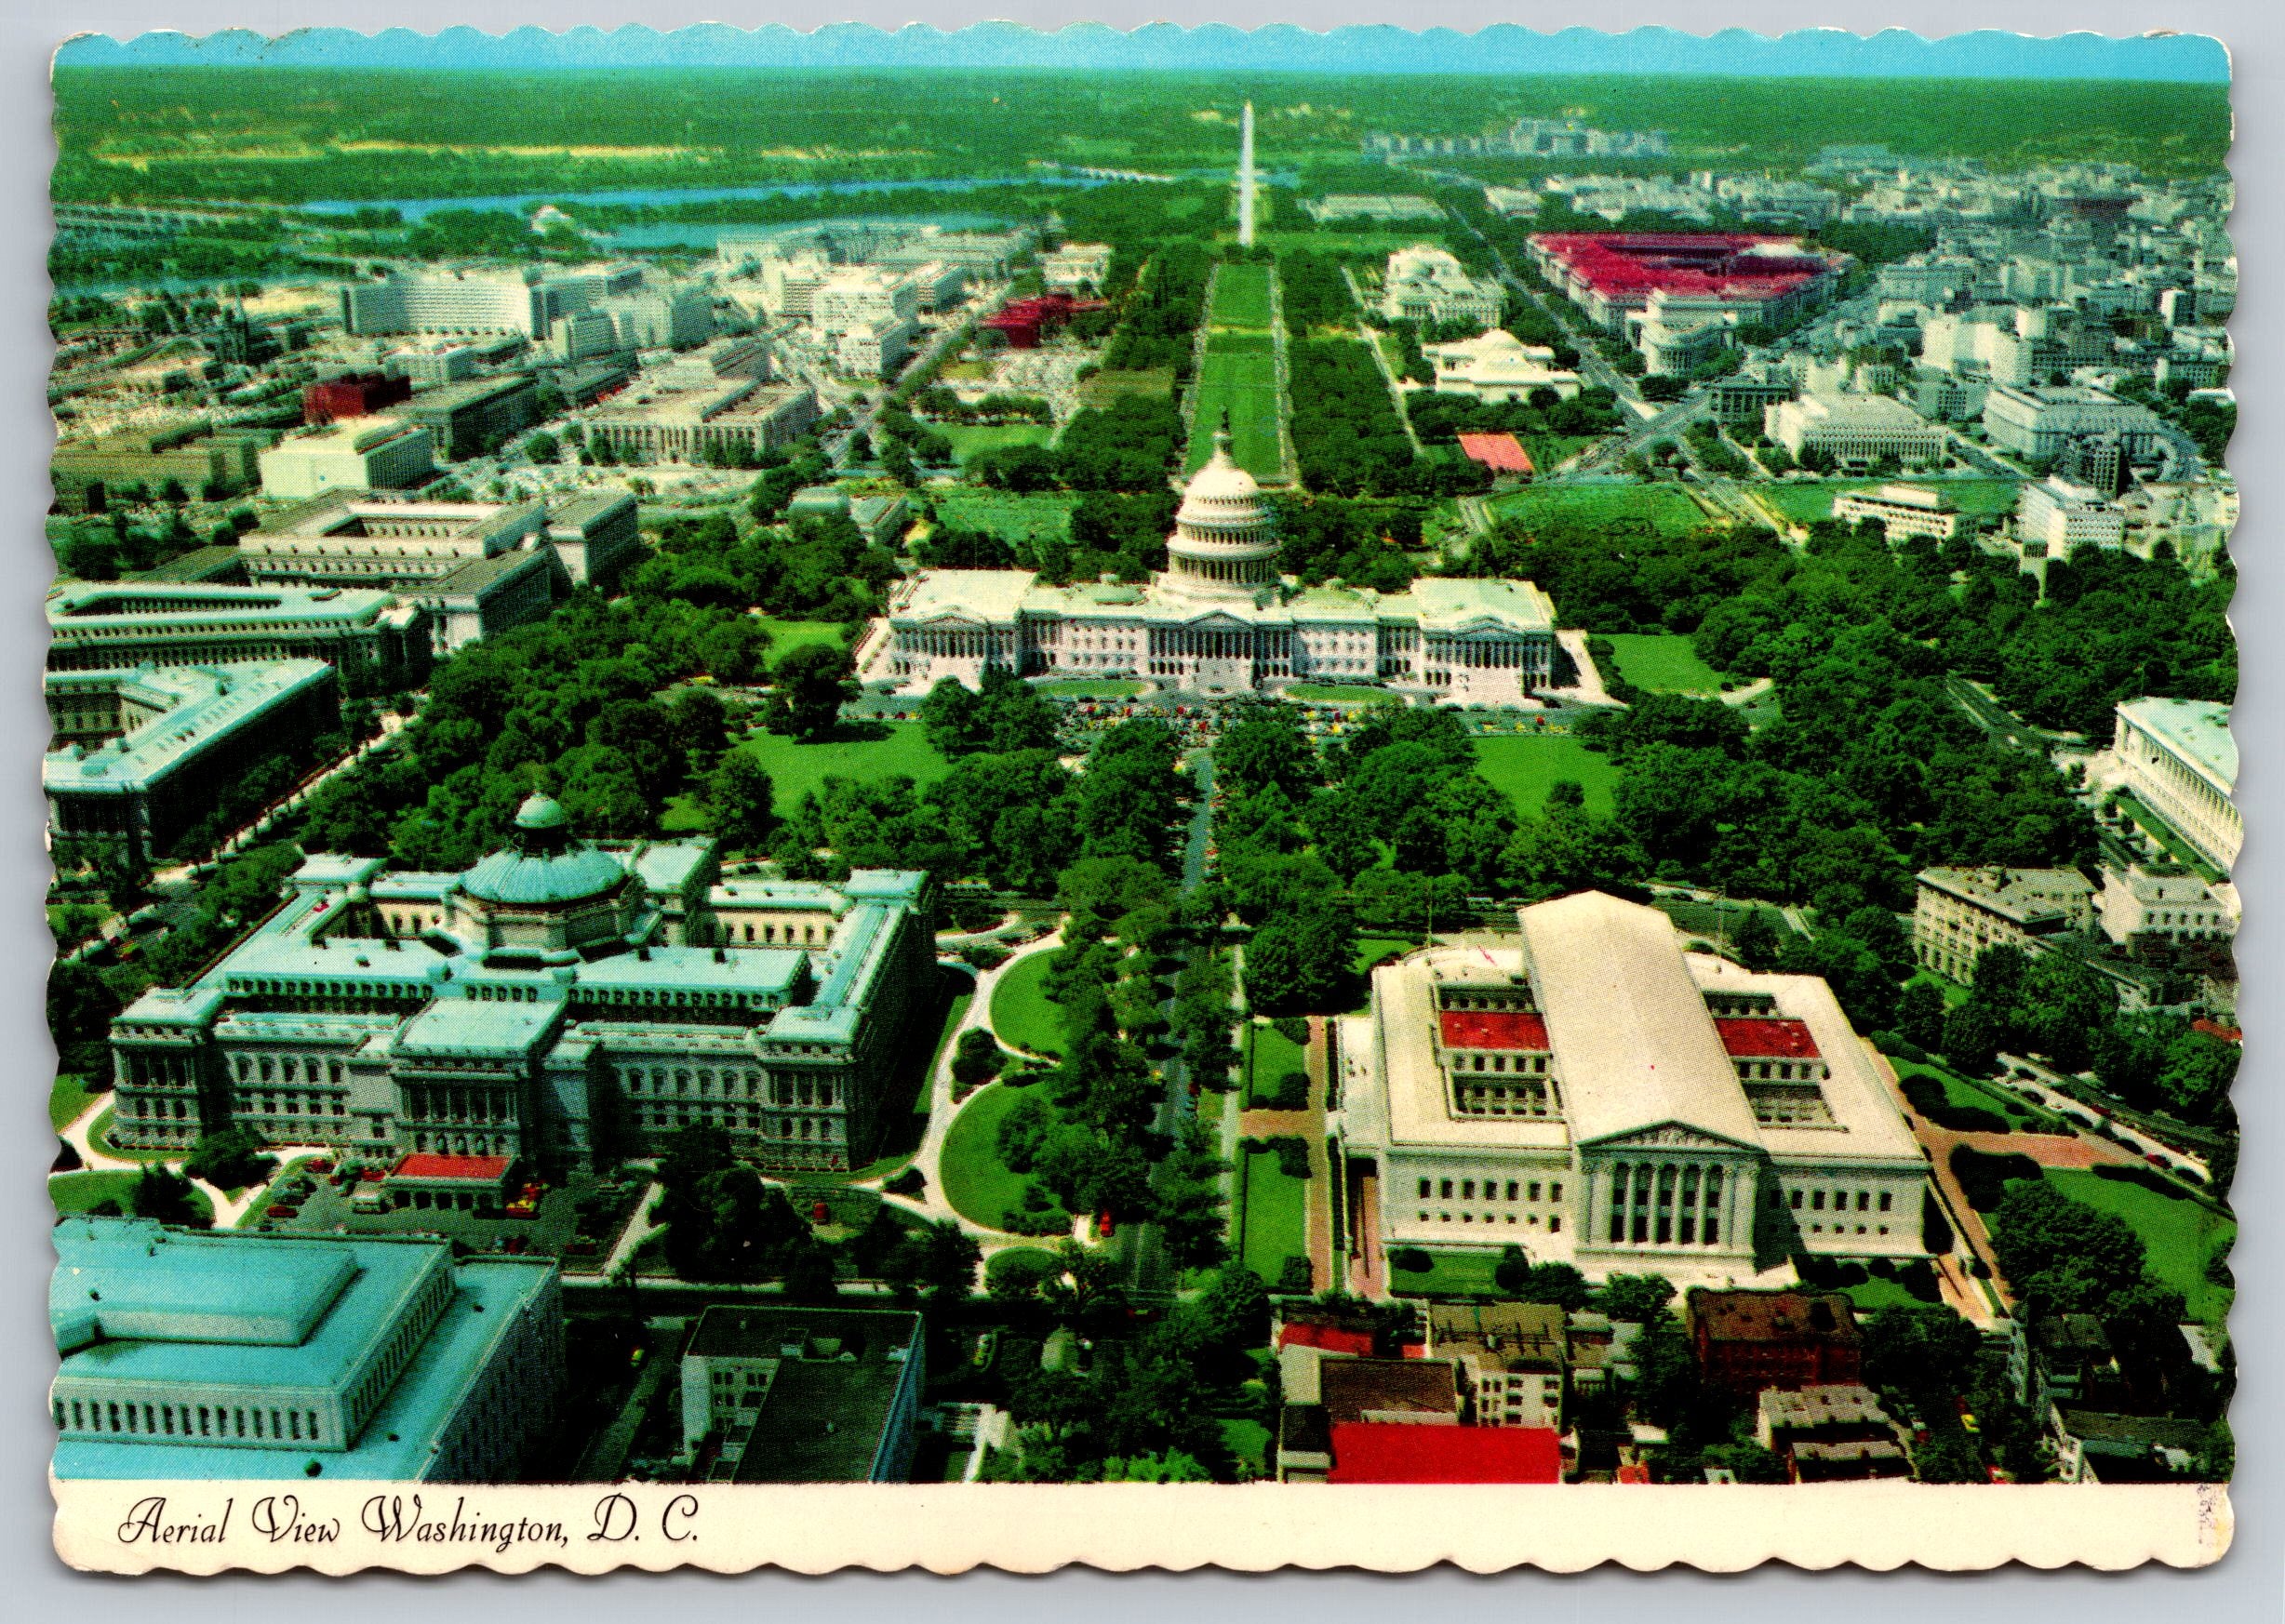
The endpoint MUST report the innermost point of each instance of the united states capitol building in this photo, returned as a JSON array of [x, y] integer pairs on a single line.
[[1219, 620], [561, 1001]]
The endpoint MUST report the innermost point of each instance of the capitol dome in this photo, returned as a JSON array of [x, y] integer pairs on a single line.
[[1221, 543], [544, 865]]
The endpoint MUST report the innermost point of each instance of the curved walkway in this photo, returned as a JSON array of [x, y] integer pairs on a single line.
[[80, 1135], [931, 1203]]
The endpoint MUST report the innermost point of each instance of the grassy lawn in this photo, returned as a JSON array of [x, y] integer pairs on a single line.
[[1241, 297], [1022, 1014], [1808, 501], [979, 1185], [967, 439], [98, 1136], [1663, 663], [1374, 950], [1668, 507], [2172, 845], [1091, 688], [67, 1098], [1009, 516], [787, 635], [2180, 1233], [1880, 1293], [1963, 1092], [1273, 1216], [796, 768], [1107, 386], [955, 1012], [78, 1191], [1239, 377], [1336, 693], [1451, 1274], [1269, 1056], [1526, 765]]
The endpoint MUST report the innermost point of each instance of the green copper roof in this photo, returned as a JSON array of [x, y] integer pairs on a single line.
[[539, 812], [517, 879]]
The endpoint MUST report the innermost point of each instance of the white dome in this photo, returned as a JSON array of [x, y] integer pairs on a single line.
[[1222, 480]]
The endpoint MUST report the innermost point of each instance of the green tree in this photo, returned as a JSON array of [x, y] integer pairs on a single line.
[[811, 684], [230, 1158], [162, 1193], [743, 803]]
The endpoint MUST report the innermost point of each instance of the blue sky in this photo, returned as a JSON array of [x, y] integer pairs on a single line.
[[1828, 52]]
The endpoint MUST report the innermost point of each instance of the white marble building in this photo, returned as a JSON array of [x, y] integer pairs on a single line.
[[1221, 620]]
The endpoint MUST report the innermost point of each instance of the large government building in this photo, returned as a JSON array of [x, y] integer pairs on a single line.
[[1600, 1097], [1221, 620], [561, 1002], [220, 1356]]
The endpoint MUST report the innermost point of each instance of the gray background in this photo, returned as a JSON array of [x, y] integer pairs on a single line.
[[2250, 1584]]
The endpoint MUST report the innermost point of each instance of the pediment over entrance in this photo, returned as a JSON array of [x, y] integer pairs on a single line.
[[1668, 1136], [1216, 622], [949, 623]]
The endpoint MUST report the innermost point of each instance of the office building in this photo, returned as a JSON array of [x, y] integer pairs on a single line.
[[1748, 1341], [352, 395], [2039, 420], [1900, 511], [674, 419], [1592, 1093], [475, 416], [1960, 912], [802, 1395], [2178, 759], [2055, 516], [1221, 620], [1743, 396], [1834, 1433], [1854, 430], [1391, 207], [1497, 365], [362, 454], [1423, 284], [202, 463], [209, 1357], [183, 736], [2140, 907], [1762, 279], [428, 550], [1511, 1357], [432, 365], [446, 302], [1076, 265], [370, 636], [559, 1001]]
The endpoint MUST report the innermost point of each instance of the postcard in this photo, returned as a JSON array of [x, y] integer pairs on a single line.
[[1260, 800]]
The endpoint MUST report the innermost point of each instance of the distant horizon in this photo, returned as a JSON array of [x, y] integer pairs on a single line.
[[1378, 51]]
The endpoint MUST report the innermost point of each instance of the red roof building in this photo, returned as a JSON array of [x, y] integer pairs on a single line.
[[475, 1169], [1407, 1452], [1501, 453], [1023, 322], [1332, 1339], [1761, 1038], [1608, 273], [1492, 1029], [354, 395]]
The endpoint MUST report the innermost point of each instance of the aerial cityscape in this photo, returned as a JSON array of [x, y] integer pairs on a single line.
[[918, 774]]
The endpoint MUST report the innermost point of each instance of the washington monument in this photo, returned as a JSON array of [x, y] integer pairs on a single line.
[[1245, 179]]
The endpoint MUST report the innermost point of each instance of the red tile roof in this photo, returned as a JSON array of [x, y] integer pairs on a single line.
[[1501, 453], [425, 1165], [1332, 1339], [1405, 1452], [1755, 1037], [1712, 262], [1492, 1029]]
